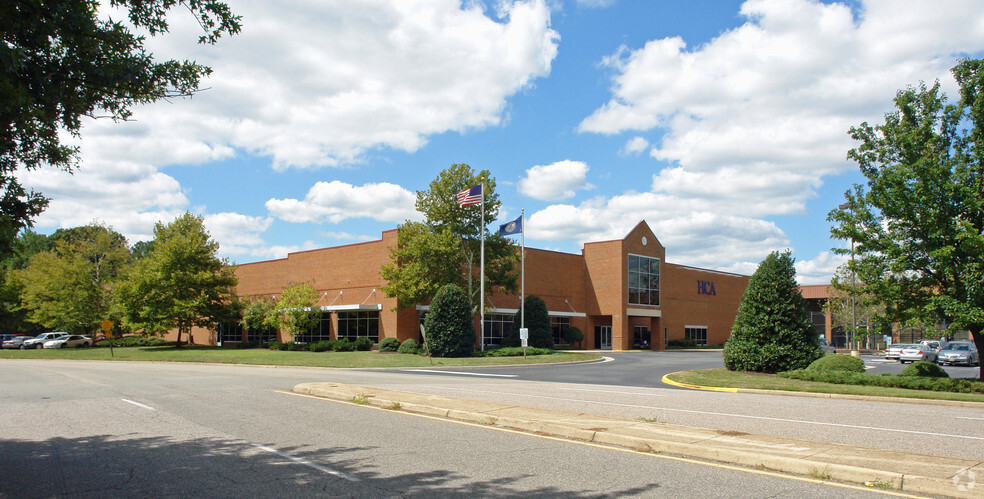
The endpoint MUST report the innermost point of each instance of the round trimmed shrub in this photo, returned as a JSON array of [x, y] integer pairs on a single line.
[[537, 321], [320, 346], [363, 344], [409, 346], [450, 323], [344, 345], [389, 344], [836, 362], [924, 368]]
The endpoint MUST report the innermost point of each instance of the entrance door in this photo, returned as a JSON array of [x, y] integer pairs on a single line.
[[603, 337]]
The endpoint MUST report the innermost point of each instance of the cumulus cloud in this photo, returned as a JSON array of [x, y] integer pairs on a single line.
[[636, 145], [336, 201], [555, 181], [312, 84]]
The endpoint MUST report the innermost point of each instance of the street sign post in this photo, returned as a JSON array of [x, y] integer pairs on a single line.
[[524, 336]]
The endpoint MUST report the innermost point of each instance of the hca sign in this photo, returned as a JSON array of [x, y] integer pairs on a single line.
[[706, 288]]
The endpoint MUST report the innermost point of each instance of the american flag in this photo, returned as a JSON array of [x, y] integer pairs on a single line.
[[470, 196]]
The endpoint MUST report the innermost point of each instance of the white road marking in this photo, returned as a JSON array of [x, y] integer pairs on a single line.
[[975, 419], [138, 404], [307, 463], [710, 413], [462, 373]]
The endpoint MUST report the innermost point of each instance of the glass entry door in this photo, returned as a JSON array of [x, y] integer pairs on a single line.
[[603, 337]]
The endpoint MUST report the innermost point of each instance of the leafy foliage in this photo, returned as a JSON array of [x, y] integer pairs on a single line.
[[918, 224], [537, 321], [449, 324], [62, 61], [835, 362], [294, 313], [515, 352], [180, 284], [410, 346], [445, 248], [773, 331], [925, 369], [389, 344], [68, 287], [953, 385], [574, 335]]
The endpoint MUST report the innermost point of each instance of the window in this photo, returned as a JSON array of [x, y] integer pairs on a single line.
[[696, 333], [643, 280], [560, 326], [360, 324], [321, 331], [496, 327], [261, 335], [640, 337], [228, 332]]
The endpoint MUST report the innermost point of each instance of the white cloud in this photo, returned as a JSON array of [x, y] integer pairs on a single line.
[[336, 201], [320, 83], [635, 145], [555, 181]]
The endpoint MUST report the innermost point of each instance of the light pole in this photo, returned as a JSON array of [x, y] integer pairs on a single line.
[[850, 337]]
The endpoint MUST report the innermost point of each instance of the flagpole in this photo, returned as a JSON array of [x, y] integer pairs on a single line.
[[481, 281], [522, 270]]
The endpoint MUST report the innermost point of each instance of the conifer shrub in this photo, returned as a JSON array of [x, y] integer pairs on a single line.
[[389, 344], [836, 362], [537, 321], [450, 323], [925, 369], [410, 346], [773, 331]]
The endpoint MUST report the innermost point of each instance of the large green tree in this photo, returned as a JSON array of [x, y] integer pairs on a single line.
[[182, 282], [63, 60], [69, 286], [917, 226], [773, 331], [537, 321], [449, 326], [294, 313], [445, 248]]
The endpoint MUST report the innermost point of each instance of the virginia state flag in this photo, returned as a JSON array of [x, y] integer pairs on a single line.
[[514, 227]]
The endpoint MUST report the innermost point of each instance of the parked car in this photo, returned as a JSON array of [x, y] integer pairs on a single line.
[[935, 345], [38, 341], [14, 341], [826, 346], [914, 353], [892, 352], [74, 340], [959, 352]]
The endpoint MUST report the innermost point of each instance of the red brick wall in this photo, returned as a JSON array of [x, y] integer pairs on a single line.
[[683, 305]]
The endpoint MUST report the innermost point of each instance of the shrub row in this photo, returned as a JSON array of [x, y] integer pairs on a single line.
[[135, 341], [513, 352], [905, 380]]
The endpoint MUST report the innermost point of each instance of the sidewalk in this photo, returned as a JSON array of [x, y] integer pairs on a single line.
[[907, 472]]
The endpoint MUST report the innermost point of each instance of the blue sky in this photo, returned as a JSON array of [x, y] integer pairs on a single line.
[[723, 124]]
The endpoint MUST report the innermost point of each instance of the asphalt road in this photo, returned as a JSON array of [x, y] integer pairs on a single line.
[[97, 429]]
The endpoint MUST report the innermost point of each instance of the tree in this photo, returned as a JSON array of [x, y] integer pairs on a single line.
[[449, 326], [444, 249], [68, 287], [917, 226], [61, 61], [180, 284], [853, 310], [773, 331], [537, 321], [293, 312]]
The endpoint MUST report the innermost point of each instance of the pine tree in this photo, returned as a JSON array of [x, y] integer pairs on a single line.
[[773, 331]]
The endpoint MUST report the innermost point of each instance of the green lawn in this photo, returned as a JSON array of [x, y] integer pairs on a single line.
[[732, 379], [266, 357]]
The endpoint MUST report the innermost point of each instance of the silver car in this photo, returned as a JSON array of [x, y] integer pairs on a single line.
[[893, 350], [39, 340], [915, 353], [959, 352]]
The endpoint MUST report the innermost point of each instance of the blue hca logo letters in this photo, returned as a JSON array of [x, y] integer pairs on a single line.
[[706, 288]]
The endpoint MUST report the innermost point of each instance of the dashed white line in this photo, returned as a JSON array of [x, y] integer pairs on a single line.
[[307, 463], [138, 404]]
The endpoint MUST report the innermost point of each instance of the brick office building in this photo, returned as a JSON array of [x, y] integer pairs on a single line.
[[621, 294]]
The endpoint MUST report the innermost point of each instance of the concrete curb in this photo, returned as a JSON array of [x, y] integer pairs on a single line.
[[901, 471]]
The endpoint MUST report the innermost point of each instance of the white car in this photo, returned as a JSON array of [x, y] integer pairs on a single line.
[[915, 353], [38, 341], [75, 340]]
